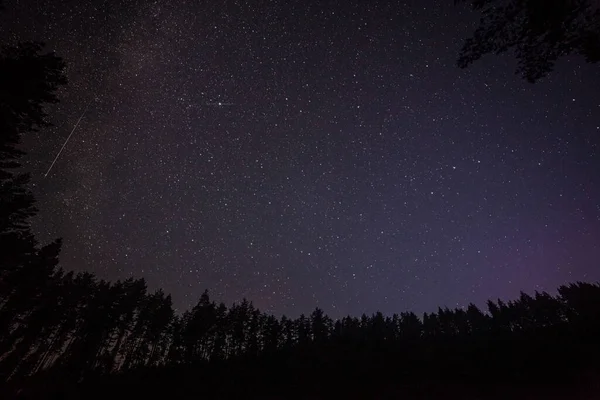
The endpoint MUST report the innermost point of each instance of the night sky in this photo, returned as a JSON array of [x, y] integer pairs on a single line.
[[304, 154]]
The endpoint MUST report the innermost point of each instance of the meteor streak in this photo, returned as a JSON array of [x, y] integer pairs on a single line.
[[68, 137]]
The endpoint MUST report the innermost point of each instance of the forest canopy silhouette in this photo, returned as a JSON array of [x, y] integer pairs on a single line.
[[539, 31], [71, 335]]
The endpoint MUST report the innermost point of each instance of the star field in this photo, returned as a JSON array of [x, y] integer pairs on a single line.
[[305, 155]]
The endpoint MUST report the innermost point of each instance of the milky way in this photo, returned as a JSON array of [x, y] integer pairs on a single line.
[[308, 154]]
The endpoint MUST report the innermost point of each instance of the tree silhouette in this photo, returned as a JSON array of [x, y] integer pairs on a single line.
[[219, 348], [130, 310], [76, 327], [29, 80], [539, 31], [29, 299], [320, 326]]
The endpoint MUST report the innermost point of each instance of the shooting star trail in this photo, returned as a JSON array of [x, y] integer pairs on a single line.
[[68, 137]]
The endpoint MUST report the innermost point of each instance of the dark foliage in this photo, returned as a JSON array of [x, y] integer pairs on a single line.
[[539, 31], [29, 80], [70, 332]]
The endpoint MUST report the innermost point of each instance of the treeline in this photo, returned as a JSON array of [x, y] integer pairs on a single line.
[[80, 325], [76, 327]]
